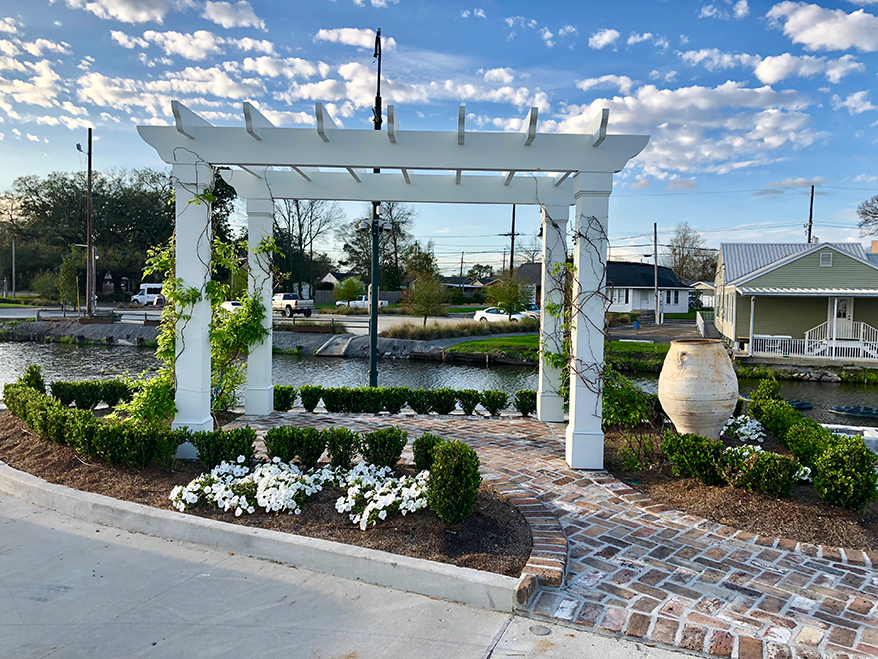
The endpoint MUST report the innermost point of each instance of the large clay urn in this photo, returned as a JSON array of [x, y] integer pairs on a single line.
[[698, 387]]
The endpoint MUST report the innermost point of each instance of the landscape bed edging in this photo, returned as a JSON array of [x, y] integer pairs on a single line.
[[484, 590]]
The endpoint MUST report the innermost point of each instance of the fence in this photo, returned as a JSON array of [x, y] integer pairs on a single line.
[[704, 319], [326, 297]]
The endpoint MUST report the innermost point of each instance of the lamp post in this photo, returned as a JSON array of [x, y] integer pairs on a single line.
[[376, 231], [89, 242]]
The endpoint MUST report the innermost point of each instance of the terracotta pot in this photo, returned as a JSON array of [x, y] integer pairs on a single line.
[[698, 387]]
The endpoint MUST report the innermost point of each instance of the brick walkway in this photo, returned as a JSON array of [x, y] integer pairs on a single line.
[[640, 569]]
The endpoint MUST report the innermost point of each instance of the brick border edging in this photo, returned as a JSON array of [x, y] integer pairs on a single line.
[[647, 504]]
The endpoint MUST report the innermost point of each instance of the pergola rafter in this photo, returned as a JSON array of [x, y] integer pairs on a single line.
[[551, 170]]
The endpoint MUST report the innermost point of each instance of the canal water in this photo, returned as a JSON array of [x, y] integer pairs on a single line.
[[71, 362]]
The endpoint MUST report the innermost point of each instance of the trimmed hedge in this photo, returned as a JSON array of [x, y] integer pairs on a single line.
[[310, 395], [692, 456], [215, 446], [454, 481], [86, 394], [284, 397], [341, 444], [494, 401], [845, 475], [525, 401], [383, 447], [469, 400], [423, 448]]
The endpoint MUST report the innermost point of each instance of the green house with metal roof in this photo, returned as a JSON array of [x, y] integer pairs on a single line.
[[798, 300]]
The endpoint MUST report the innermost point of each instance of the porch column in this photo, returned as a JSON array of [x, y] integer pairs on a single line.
[[550, 404], [193, 238], [834, 326], [752, 315], [259, 395], [585, 439]]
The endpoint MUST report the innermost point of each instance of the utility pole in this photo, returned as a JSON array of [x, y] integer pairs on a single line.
[[512, 245], [811, 215], [13, 268], [376, 231], [655, 269], [504, 260], [89, 241], [461, 273]]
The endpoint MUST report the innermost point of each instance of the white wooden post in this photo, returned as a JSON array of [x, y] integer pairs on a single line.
[[834, 326], [752, 316], [585, 439], [259, 395], [550, 404], [193, 238]]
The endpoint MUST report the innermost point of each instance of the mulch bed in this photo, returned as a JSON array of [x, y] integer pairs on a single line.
[[495, 539], [802, 516]]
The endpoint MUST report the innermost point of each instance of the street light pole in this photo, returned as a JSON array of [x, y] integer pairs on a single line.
[[373, 289], [89, 242]]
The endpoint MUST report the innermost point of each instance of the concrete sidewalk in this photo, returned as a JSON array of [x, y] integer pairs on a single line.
[[75, 589]]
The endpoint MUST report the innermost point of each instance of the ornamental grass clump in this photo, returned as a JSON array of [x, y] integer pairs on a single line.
[[469, 400], [423, 448], [310, 395], [444, 400], [341, 444], [454, 481], [525, 401], [494, 401], [383, 447], [845, 474], [218, 446]]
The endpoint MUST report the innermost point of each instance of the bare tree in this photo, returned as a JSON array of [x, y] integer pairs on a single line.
[[299, 225], [687, 255], [531, 249], [868, 212]]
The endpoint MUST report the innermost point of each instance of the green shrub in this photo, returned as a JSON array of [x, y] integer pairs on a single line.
[[423, 448], [284, 397], [282, 442], [341, 444], [336, 399], [394, 398], [468, 399], [494, 401], [444, 400], [774, 474], [225, 446], [311, 447], [15, 396], [80, 430], [625, 405], [49, 419], [768, 389], [778, 417], [63, 391], [383, 447], [692, 456], [845, 474], [87, 394], [32, 377], [368, 400], [454, 481], [167, 443], [116, 391], [525, 401], [421, 400], [123, 443], [311, 395], [808, 440]]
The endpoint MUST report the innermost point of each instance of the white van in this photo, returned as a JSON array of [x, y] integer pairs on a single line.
[[147, 293]]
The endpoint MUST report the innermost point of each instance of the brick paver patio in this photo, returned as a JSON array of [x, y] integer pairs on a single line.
[[623, 564]]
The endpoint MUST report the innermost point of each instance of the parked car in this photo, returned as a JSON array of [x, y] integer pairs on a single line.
[[494, 315], [532, 310], [361, 302], [231, 305], [288, 304]]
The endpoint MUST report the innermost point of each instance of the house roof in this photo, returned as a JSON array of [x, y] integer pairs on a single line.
[[809, 292], [530, 273], [339, 276], [747, 259], [625, 274], [460, 281]]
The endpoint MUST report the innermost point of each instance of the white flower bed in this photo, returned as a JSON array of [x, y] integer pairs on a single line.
[[371, 493], [742, 453], [745, 429]]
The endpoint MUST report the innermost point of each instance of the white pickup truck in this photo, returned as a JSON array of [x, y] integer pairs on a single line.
[[288, 304], [362, 302]]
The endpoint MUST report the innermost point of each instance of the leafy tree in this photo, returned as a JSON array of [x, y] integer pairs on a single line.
[[349, 289], [393, 245], [67, 273], [510, 294], [868, 213], [479, 271], [688, 257], [421, 261], [426, 297], [45, 284]]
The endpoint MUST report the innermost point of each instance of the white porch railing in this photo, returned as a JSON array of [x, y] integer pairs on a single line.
[[853, 341], [703, 318]]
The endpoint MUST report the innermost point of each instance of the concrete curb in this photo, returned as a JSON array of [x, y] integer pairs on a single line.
[[484, 590]]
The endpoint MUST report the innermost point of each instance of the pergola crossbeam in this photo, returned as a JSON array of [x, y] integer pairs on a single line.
[[598, 127], [302, 174], [457, 176], [325, 121], [461, 125], [392, 124], [255, 121], [560, 178], [509, 176], [530, 126], [186, 120], [354, 175], [405, 175]]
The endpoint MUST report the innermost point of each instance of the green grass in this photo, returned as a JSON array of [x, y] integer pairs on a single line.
[[510, 347], [466, 309], [689, 315]]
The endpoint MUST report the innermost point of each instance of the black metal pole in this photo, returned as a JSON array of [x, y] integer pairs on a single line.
[[373, 288], [89, 245]]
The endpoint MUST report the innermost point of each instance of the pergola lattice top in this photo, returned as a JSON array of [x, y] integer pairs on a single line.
[[336, 164]]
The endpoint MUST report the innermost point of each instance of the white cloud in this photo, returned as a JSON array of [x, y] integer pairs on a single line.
[[128, 41], [480, 13], [640, 183], [33, 138], [272, 67], [131, 11], [228, 15], [798, 182], [8, 48], [9, 25], [465, 13], [681, 184], [711, 11], [41, 89], [504, 75], [16, 132], [248, 44], [38, 47], [713, 59], [639, 38], [567, 30], [775, 68], [855, 103], [741, 9], [817, 28], [381, 4], [603, 38], [349, 36], [622, 83], [865, 178], [195, 46], [11, 64], [547, 37]]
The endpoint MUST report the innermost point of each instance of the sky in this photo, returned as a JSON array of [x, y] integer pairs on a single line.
[[747, 103]]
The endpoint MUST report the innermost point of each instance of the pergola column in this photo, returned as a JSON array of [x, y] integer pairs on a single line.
[[550, 404], [585, 438], [193, 238], [259, 395]]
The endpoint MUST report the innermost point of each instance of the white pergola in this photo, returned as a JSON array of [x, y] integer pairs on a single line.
[[551, 170]]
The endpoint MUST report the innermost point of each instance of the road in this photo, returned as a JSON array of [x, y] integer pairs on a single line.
[[72, 590]]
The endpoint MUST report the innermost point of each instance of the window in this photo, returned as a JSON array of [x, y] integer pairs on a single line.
[[668, 297], [676, 297], [826, 260]]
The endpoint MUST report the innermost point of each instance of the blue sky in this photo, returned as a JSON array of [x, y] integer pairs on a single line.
[[747, 103]]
